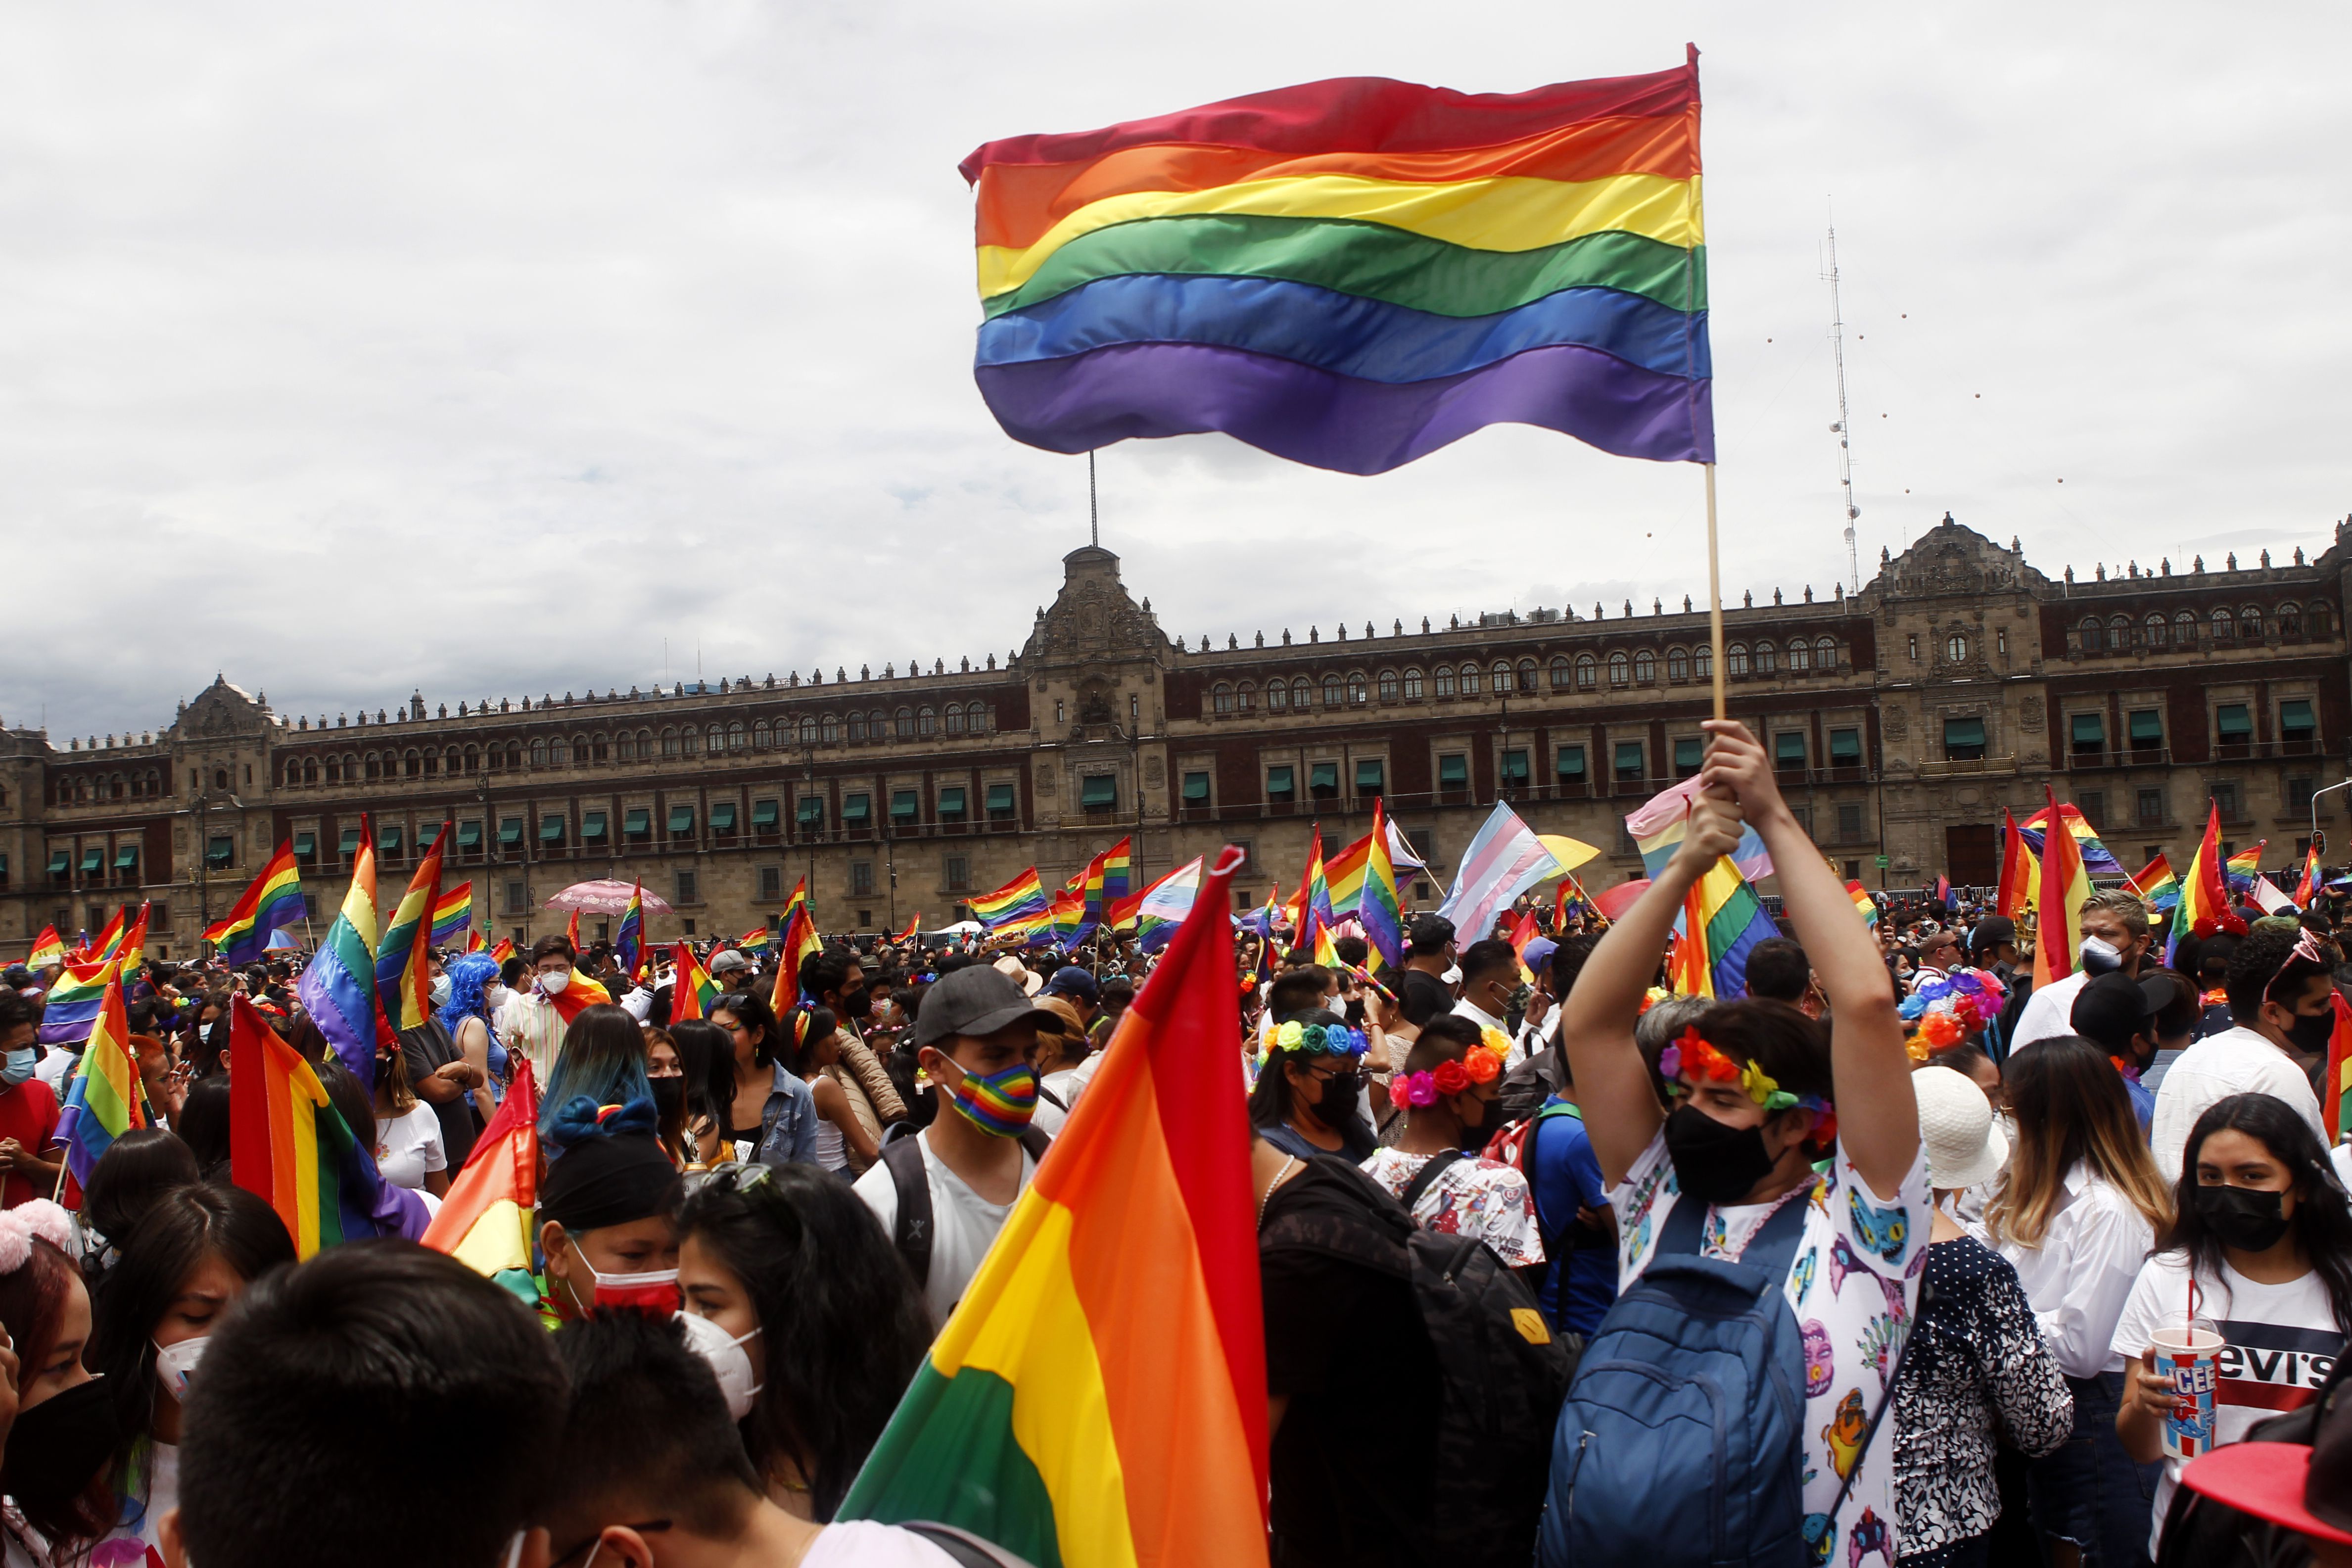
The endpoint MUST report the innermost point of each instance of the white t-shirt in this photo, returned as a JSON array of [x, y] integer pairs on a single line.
[[2049, 1012], [2235, 1062], [56, 1068], [407, 1147], [1853, 1286], [862, 1543], [963, 1223], [2282, 1341], [2078, 1279]]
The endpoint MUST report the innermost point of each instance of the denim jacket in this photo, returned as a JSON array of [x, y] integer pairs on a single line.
[[788, 1123]]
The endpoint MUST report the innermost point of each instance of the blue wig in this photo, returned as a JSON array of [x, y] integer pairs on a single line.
[[468, 977]]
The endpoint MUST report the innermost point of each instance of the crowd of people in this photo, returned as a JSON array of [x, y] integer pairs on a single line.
[[1880, 1259]]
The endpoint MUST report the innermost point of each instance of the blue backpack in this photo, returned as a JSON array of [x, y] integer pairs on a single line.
[[1679, 1442]]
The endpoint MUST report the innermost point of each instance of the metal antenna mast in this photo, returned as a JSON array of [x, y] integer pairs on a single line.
[[1843, 430]]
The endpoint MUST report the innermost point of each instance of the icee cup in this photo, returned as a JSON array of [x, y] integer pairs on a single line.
[[2191, 1358]]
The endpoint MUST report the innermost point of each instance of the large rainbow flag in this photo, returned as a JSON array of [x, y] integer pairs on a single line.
[[485, 1221], [1722, 920], [1107, 876], [103, 1101], [1378, 909], [338, 987], [1092, 1402], [1018, 899], [287, 1143], [2204, 898], [1344, 873], [2064, 885], [404, 962], [73, 1004], [2336, 1082], [270, 902], [1353, 273], [109, 939], [131, 954], [453, 912], [798, 939], [2096, 859]]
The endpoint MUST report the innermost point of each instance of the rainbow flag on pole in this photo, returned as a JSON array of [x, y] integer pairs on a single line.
[[131, 954], [629, 940], [692, 991], [912, 926], [485, 1221], [1354, 273], [2241, 869], [1721, 923], [288, 1146], [270, 902], [2155, 886], [110, 940], [404, 965], [1107, 876], [2204, 898], [1018, 899], [103, 1101], [47, 948], [1863, 904], [338, 988], [2306, 887], [2336, 1082], [73, 1004], [2096, 859], [798, 939], [2019, 871], [453, 913], [1378, 909], [1344, 873], [1311, 907], [2058, 905], [1081, 1406]]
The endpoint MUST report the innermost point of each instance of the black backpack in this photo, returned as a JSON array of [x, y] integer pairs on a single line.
[[1502, 1376], [912, 1233]]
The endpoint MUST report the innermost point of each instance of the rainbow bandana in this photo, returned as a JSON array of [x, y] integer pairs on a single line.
[[1000, 1104]]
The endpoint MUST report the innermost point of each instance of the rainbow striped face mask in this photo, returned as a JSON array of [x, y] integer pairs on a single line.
[[999, 1104]]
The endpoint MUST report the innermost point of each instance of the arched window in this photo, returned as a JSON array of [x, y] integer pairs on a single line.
[[2319, 621], [737, 738], [1442, 683], [879, 724], [1390, 690], [2118, 633], [1801, 656], [1559, 675], [1620, 669], [453, 761], [1502, 678], [1359, 690], [1299, 694], [1470, 681], [1955, 648], [559, 751], [539, 754], [2087, 634], [1527, 675], [955, 719], [2184, 630], [411, 765], [927, 722], [1330, 691], [976, 719], [2249, 623], [293, 773], [1768, 658], [857, 726], [1677, 664], [1735, 659], [1645, 668], [581, 752], [310, 771], [1221, 698], [808, 730], [1588, 672], [1825, 654], [905, 719], [1277, 697], [690, 739], [1412, 685], [759, 735], [473, 762], [2225, 627], [2290, 622]]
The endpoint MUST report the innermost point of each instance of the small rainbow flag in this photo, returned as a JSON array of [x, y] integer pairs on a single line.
[[2307, 886], [2336, 1082], [270, 902], [1079, 1407], [47, 948], [912, 926], [1018, 899], [403, 963], [629, 942], [103, 1101], [110, 939], [799, 939], [288, 1146], [338, 988], [502, 950], [1523, 932], [454, 913], [692, 991], [2155, 886], [1863, 904], [2204, 898], [2245, 866], [130, 953], [572, 930], [1311, 906], [755, 941], [1106, 878], [485, 1221], [1721, 923], [73, 1004], [1378, 909], [2058, 905]]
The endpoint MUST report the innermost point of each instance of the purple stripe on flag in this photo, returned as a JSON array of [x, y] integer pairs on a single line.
[[1339, 422]]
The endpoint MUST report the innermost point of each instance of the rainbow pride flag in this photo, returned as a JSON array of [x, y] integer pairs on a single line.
[[453, 913], [73, 1004], [2241, 869], [47, 948], [404, 962], [2306, 887], [1016, 900], [2019, 871], [110, 940], [1523, 932], [629, 940], [571, 931], [1378, 909], [485, 1221], [502, 950], [2155, 886], [1344, 873], [2204, 897], [2058, 905], [1090, 1402], [2336, 1082], [288, 1146], [130, 952], [1156, 911], [1311, 907], [1863, 904], [798, 939], [269, 903], [912, 927], [103, 1101], [1107, 876], [1354, 273], [338, 987], [2096, 860], [755, 941], [692, 990], [1722, 920], [584, 993]]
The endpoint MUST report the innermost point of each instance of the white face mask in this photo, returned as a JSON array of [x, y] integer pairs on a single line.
[[441, 991], [553, 984], [727, 1359], [494, 995], [175, 1364]]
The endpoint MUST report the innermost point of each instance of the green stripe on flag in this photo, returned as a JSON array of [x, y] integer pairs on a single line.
[[948, 1456]]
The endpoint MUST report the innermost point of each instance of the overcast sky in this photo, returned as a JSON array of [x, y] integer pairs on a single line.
[[484, 348]]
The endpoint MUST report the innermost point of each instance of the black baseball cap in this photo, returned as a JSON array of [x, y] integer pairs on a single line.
[[1990, 932], [2111, 1009], [976, 1000]]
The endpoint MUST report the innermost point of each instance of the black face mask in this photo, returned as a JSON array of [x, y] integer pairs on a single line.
[[1341, 1099], [2243, 1217], [1713, 1163], [57, 1446], [1474, 1133], [856, 1004], [669, 1098], [2311, 1031]]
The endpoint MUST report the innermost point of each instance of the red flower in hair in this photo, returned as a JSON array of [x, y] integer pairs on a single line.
[[1450, 1078]]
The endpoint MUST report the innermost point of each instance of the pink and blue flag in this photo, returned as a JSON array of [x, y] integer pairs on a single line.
[[1503, 861]]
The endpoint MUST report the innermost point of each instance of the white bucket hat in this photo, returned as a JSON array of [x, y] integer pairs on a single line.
[[1021, 974], [1965, 1147]]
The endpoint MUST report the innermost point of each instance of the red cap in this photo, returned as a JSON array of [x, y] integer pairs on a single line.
[[2269, 1480]]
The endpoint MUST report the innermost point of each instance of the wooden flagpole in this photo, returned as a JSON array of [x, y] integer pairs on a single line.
[[1714, 592]]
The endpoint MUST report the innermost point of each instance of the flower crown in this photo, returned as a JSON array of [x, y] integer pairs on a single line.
[[1317, 1039], [1482, 1063], [1693, 1054], [1948, 1010]]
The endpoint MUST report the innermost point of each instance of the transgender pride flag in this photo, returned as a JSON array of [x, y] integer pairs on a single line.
[[1504, 860]]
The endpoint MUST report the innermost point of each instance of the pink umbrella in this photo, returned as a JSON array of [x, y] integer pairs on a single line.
[[605, 896]]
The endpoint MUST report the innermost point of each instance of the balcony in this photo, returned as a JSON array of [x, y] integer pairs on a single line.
[[2138, 757], [1957, 767]]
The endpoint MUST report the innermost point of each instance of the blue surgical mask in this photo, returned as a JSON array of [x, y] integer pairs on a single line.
[[19, 1067]]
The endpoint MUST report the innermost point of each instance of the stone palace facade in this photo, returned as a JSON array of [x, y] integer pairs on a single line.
[[1904, 720]]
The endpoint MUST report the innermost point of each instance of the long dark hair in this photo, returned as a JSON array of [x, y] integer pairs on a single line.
[[805, 1026], [843, 1326], [707, 1058], [1271, 1103], [603, 1056], [185, 1225], [136, 1170], [2323, 1218], [203, 1124], [756, 1018]]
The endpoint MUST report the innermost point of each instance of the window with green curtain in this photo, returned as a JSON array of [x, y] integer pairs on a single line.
[[387, 838], [1629, 760], [722, 815], [1097, 791], [2234, 721], [2089, 729], [551, 828], [1281, 783], [218, 852], [1788, 749], [1453, 772], [1000, 800], [94, 857], [1196, 789], [2295, 720], [681, 819], [126, 855], [509, 832], [638, 824], [952, 803], [1690, 754], [1370, 771], [60, 862], [763, 814], [592, 825], [469, 835], [857, 809], [1964, 738], [349, 841], [906, 806], [307, 842], [1846, 748], [1323, 776], [1514, 766], [809, 811], [2146, 726], [1570, 764]]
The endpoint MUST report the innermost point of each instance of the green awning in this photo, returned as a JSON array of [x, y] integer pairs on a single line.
[[952, 801], [93, 859], [1964, 733], [511, 830], [1453, 772], [349, 842], [763, 814], [637, 823], [857, 808], [220, 851], [1368, 773], [1690, 754], [469, 835], [681, 819], [126, 855], [591, 826], [1515, 767], [1323, 776], [1281, 782], [905, 805], [1846, 748], [809, 810], [1000, 798], [388, 836], [1098, 790], [60, 862], [2296, 715], [1628, 758], [1571, 764], [428, 836], [551, 828], [1788, 749], [305, 843], [1196, 789], [2146, 728], [722, 817], [2089, 729]]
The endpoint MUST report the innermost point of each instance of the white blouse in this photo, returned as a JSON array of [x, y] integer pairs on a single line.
[[2079, 1278]]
